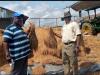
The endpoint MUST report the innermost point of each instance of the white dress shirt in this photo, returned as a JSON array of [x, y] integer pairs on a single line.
[[70, 32]]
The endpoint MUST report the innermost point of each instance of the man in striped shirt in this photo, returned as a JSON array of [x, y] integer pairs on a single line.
[[17, 45]]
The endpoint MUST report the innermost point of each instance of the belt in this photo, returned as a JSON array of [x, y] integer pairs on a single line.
[[69, 42]]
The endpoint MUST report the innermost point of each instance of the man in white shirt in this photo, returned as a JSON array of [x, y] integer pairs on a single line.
[[70, 38], [70, 35]]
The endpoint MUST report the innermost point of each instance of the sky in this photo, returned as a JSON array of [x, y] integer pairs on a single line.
[[42, 9]]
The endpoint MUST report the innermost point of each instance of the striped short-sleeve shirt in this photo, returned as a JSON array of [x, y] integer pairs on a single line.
[[18, 42]]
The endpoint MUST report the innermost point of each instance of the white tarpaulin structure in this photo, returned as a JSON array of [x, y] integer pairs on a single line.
[[82, 5]]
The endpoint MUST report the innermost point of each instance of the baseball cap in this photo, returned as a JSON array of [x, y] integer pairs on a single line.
[[16, 14]]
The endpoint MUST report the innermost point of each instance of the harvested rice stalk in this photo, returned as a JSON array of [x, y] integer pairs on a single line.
[[50, 41]]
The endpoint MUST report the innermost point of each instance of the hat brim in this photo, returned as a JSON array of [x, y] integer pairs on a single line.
[[25, 18], [16, 14], [62, 19]]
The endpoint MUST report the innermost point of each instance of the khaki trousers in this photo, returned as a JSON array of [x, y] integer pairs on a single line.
[[69, 57]]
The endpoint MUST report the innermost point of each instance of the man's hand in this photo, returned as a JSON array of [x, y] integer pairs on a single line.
[[77, 50], [8, 58], [5, 46], [78, 44]]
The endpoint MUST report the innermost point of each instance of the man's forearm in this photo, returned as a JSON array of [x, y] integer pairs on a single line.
[[78, 40], [6, 49]]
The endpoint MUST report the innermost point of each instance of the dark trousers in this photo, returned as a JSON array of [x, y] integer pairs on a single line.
[[19, 67]]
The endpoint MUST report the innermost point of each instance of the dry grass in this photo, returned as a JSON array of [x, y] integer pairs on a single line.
[[6, 68], [2, 53], [49, 49], [39, 70]]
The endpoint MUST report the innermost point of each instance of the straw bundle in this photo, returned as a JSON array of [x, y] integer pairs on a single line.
[[6, 68], [50, 40], [39, 70], [2, 52], [33, 37]]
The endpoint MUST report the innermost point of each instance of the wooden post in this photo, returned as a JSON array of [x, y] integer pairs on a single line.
[[56, 22], [80, 14], [39, 22], [95, 12], [88, 14]]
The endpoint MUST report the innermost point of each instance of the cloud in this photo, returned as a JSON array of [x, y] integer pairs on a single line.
[[27, 11], [12, 7], [42, 10], [47, 15]]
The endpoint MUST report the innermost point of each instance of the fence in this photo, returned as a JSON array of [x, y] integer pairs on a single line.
[[50, 22], [46, 22], [39, 22]]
